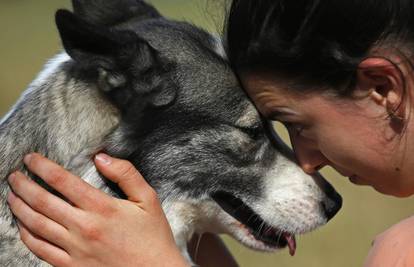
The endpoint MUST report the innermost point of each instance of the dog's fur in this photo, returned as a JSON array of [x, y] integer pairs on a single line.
[[160, 94]]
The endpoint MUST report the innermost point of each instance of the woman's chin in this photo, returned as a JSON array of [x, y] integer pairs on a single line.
[[393, 191], [379, 188], [358, 180], [399, 194]]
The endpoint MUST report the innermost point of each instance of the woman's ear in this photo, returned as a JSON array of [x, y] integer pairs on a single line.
[[383, 82]]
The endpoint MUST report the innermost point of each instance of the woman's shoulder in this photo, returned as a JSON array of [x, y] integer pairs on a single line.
[[394, 247]]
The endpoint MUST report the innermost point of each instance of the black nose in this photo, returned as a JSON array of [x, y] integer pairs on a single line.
[[332, 201], [332, 204]]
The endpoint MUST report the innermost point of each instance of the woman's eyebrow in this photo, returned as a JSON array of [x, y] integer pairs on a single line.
[[274, 114], [280, 113]]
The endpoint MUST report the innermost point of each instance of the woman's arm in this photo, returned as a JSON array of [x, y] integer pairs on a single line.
[[96, 230], [210, 251]]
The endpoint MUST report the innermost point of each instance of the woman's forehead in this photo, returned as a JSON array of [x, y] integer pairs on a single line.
[[267, 93], [272, 94], [265, 85]]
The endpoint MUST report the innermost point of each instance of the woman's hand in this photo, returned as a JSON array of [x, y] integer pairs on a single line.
[[96, 230]]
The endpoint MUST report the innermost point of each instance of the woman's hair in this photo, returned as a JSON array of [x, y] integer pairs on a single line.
[[315, 42]]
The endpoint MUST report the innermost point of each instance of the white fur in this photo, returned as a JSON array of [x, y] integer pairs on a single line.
[[291, 203], [292, 199], [51, 67], [250, 117], [219, 48]]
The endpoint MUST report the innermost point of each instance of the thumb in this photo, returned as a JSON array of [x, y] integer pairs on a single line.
[[126, 176]]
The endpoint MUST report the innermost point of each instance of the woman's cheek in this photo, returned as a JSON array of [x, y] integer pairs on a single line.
[[343, 154], [365, 169]]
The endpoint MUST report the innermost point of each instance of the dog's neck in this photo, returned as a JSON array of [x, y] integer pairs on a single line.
[[58, 116]]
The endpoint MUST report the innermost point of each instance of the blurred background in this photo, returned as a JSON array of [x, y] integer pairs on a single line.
[[29, 37]]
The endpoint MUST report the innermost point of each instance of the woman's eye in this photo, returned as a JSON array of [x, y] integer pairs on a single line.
[[295, 127]]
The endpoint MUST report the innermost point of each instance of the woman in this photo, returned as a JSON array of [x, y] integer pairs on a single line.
[[337, 73]]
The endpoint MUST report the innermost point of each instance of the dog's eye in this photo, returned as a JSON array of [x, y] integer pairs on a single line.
[[252, 132]]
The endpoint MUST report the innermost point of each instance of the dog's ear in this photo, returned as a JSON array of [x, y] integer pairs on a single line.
[[112, 12], [121, 59], [92, 45]]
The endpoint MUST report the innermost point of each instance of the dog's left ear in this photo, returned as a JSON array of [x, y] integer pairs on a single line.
[[112, 12], [92, 45], [121, 58]]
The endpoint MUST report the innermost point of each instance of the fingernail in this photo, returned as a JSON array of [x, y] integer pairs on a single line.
[[27, 159], [105, 159], [12, 177], [11, 196]]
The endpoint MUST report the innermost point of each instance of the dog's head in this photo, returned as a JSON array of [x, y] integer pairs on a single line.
[[189, 127]]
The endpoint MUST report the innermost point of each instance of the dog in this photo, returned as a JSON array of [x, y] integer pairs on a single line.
[[160, 93]]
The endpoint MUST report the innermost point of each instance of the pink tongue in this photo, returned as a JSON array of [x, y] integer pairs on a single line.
[[291, 243]]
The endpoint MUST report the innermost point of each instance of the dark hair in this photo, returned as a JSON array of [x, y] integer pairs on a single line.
[[315, 41]]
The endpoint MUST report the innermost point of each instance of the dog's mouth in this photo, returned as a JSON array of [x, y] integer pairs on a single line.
[[261, 231]]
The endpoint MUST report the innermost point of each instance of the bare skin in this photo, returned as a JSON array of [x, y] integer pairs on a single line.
[[209, 250], [356, 136]]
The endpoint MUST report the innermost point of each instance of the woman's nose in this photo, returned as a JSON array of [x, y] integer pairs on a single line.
[[309, 158], [311, 162]]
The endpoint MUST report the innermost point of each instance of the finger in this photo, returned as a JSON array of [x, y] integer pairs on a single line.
[[41, 200], [128, 178], [37, 223], [43, 249], [80, 193]]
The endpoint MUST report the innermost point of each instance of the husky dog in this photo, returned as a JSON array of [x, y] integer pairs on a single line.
[[160, 94]]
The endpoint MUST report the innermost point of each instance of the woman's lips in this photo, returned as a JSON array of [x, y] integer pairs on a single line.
[[357, 180], [353, 179]]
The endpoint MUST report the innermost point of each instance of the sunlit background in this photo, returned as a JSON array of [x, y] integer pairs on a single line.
[[29, 37]]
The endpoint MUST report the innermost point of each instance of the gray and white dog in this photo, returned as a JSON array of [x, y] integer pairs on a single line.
[[160, 94]]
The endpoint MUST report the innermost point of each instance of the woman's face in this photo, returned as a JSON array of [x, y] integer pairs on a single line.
[[355, 136]]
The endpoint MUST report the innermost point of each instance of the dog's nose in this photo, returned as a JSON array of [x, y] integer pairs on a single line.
[[332, 201], [331, 204]]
